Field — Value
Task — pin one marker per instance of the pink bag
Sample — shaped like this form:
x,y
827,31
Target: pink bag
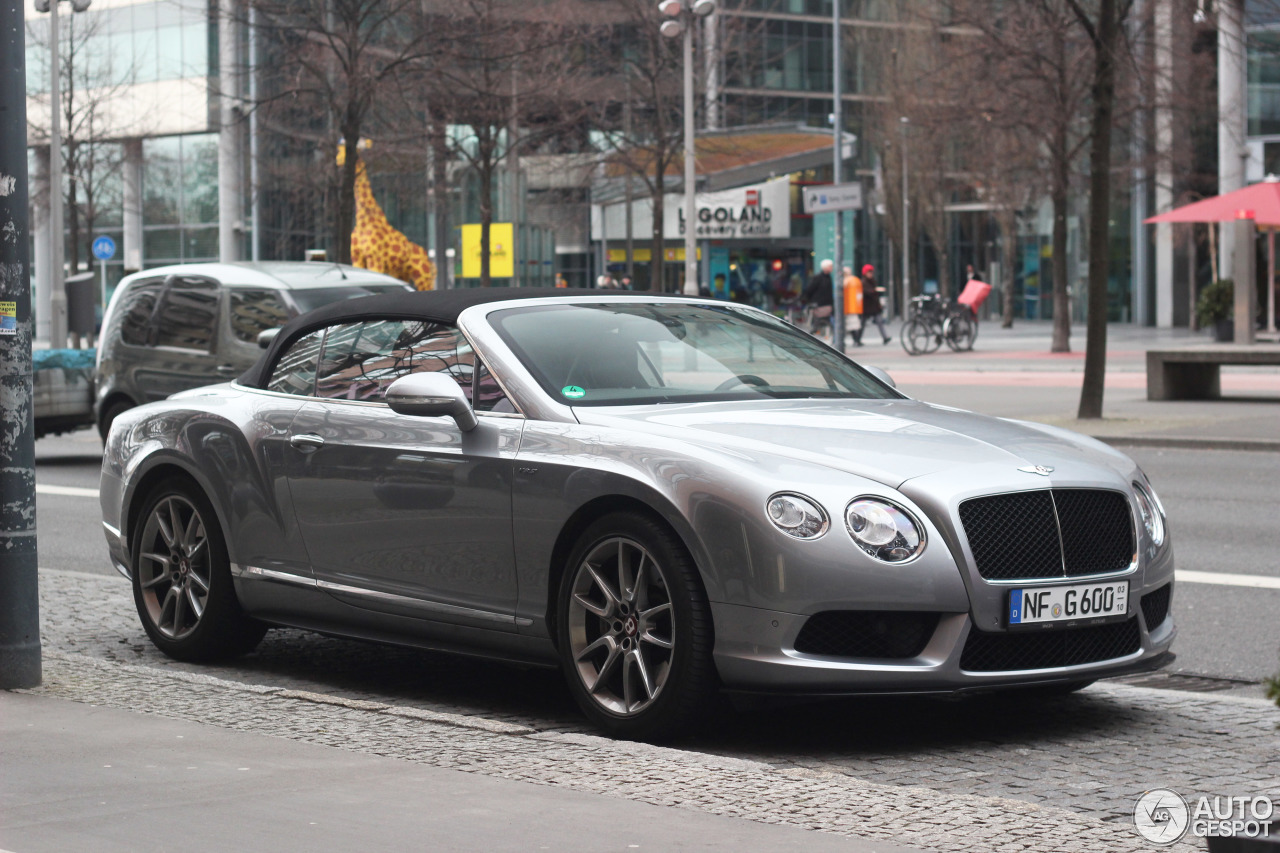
x,y
974,294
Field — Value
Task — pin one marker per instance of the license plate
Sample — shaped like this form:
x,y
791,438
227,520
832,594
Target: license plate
x,y
1082,604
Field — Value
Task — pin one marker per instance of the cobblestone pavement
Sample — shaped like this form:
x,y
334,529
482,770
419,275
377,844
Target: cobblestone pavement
x,y
990,774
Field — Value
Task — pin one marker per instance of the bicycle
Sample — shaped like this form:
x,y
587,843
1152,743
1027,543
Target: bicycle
x,y
932,321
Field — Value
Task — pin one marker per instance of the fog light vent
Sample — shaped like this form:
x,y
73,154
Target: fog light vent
x,y
888,634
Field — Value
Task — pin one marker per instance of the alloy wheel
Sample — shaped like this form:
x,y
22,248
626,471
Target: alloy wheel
x,y
174,569
621,626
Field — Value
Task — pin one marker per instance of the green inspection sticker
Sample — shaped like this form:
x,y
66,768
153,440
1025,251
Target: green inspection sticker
x,y
573,392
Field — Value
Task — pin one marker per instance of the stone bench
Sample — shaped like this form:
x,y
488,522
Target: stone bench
x,y
1195,373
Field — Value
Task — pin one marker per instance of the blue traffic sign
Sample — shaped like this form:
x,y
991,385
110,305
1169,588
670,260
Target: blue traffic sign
x,y
104,248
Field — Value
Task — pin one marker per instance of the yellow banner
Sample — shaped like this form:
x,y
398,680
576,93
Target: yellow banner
x,y
619,256
502,250
678,254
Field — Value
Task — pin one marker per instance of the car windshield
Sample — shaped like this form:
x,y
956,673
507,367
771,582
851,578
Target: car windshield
x,y
311,298
632,353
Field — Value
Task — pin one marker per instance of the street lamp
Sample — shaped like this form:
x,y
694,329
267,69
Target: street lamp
x,y
680,16
906,227
57,294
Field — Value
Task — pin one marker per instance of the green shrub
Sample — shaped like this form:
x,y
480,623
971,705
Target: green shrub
x,y
1217,302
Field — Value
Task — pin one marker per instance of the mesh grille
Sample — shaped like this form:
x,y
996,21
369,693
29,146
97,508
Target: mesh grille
x,y
1013,536
1155,606
1097,530
1016,536
866,634
985,652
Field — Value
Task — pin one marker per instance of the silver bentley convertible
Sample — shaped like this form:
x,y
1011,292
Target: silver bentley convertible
x,y
667,497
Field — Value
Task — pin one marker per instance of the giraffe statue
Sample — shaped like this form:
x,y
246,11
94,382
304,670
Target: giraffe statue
x,y
375,245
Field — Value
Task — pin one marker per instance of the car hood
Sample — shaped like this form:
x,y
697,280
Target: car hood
x,y
888,441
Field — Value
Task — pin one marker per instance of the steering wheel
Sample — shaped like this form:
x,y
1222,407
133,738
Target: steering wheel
x,y
742,379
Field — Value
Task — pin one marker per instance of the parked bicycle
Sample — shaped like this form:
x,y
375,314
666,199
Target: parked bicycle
x,y
932,321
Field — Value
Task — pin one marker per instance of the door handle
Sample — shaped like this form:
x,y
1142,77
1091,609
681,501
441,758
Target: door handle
x,y
307,442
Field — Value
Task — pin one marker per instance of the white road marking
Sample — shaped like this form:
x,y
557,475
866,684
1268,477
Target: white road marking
x,y
70,491
1227,579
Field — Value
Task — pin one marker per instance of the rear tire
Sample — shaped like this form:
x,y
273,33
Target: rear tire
x,y
635,629
960,333
182,578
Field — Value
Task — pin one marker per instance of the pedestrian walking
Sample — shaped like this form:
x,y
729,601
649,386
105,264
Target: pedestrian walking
x,y
871,307
853,306
818,295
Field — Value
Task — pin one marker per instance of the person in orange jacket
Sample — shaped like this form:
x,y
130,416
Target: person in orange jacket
x,y
853,306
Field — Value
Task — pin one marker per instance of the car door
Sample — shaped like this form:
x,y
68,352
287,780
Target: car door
x,y
182,336
408,515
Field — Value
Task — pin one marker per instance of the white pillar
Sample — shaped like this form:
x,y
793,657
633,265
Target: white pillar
x,y
132,249
1231,115
40,230
230,196
1164,161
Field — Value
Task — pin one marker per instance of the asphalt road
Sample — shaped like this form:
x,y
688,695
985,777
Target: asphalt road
x,y
1223,508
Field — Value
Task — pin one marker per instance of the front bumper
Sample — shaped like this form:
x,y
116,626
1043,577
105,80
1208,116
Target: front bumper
x,y
755,652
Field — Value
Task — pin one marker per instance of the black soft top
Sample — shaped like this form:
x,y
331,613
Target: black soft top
x,y
436,306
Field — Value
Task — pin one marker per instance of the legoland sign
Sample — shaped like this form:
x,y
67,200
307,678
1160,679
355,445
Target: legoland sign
x,y
742,213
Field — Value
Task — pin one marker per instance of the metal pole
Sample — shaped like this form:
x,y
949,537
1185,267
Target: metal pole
x,y
690,180
906,228
20,662
57,253
1271,279
837,134
255,207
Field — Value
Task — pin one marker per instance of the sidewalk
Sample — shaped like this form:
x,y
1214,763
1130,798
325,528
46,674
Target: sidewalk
x,y
1011,373
81,777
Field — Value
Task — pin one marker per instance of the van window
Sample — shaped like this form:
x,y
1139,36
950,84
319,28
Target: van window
x,y
136,309
188,314
255,311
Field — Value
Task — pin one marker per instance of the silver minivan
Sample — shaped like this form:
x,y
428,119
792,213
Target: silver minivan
x,y
172,328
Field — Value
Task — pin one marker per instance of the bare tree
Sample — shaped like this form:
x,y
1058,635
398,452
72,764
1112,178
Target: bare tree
x,y
337,63
506,82
1028,78
1104,28
92,81
651,144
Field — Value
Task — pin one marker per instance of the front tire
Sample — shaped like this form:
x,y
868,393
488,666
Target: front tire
x,y
182,579
635,629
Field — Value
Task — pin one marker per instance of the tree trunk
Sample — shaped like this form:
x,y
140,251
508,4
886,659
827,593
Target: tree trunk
x,y
346,220
73,208
440,196
1104,93
657,253
1009,257
486,209
1061,305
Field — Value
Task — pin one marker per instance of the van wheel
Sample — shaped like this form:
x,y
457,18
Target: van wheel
x,y
113,410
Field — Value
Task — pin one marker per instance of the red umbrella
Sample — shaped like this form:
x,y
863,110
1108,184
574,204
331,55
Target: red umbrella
x,y
1259,202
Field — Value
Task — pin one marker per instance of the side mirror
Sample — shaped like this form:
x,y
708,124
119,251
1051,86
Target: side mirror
x,y
266,336
880,374
431,395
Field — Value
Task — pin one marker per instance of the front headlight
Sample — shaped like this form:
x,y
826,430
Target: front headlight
x,y
1152,511
797,516
885,531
